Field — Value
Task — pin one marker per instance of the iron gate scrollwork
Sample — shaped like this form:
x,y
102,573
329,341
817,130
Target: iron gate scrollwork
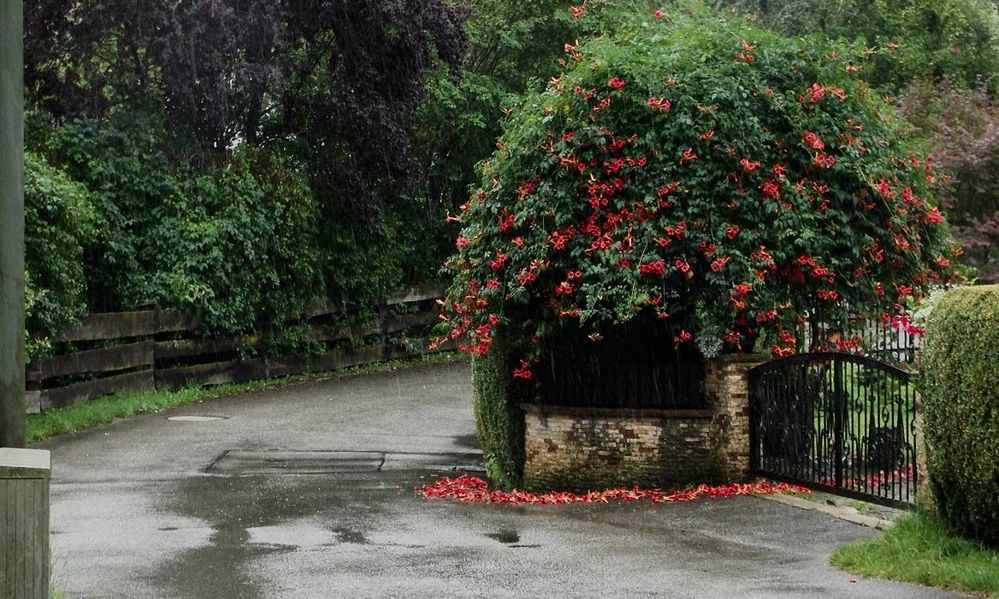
x,y
838,421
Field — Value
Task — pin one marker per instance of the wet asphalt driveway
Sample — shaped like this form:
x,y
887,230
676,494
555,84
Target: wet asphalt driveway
x,y
307,492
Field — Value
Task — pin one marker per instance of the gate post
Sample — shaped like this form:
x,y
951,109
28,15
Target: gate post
x,y
839,416
924,492
726,386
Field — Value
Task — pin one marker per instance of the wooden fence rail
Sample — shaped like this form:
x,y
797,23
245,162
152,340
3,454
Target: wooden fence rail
x,y
155,349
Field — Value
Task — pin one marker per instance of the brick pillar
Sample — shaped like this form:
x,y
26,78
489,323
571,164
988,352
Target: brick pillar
x,y
726,385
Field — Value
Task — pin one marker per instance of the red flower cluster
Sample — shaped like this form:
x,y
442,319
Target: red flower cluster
x,y
813,141
563,288
616,83
770,189
901,321
656,269
660,104
814,94
506,220
746,55
475,490
718,264
523,371
825,160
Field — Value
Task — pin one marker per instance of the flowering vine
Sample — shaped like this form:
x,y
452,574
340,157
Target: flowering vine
x,y
730,196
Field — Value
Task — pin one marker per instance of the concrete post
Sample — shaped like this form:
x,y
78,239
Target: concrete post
x,y
24,523
12,405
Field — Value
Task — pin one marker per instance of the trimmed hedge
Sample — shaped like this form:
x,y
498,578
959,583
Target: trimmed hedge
x,y
498,417
960,390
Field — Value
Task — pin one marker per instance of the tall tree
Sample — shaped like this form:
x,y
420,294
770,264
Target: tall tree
x,y
334,82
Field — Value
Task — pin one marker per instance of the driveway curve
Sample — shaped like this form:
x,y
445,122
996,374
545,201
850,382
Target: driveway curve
x,y
306,491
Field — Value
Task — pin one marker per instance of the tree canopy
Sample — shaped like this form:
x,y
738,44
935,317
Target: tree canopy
x,y
334,83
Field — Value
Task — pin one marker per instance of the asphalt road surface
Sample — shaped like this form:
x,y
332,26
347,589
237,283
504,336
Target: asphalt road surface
x,y
307,491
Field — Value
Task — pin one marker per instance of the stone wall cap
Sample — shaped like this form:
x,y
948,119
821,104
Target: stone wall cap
x,y
741,358
658,413
24,463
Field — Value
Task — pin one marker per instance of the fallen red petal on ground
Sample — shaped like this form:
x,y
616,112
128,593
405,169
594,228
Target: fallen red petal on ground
x,y
473,489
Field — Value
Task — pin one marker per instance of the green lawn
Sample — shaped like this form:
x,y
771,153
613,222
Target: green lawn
x,y
102,410
919,549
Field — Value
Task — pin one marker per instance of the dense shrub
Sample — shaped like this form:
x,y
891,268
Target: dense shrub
x,y
960,392
122,165
59,222
242,159
241,247
715,174
243,243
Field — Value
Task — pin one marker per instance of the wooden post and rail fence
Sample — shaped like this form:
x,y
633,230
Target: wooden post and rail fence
x,y
159,349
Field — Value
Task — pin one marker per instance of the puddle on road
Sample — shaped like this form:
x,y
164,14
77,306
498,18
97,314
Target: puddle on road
x,y
468,441
299,533
353,537
255,509
507,537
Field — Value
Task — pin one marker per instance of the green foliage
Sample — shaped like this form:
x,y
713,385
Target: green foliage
x,y
241,160
498,417
713,173
241,243
962,129
121,163
960,391
920,549
242,248
59,222
909,39
512,47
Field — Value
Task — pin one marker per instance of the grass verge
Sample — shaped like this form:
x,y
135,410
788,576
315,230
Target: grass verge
x,y
59,421
920,549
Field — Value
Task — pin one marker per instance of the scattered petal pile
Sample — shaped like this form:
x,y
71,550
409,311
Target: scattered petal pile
x,y
880,478
473,489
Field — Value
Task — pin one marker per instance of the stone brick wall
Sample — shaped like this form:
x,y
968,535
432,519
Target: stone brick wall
x,y
581,448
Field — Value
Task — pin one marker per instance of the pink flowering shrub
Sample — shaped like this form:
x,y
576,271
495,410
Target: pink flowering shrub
x,y
704,172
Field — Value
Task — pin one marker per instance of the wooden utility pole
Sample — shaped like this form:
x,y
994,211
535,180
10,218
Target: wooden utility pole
x,y
11,224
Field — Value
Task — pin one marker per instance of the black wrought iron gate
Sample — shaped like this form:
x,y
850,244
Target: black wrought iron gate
x,y
840,422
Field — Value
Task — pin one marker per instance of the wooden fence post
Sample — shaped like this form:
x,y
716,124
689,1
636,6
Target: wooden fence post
x,y
383,324
141,352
